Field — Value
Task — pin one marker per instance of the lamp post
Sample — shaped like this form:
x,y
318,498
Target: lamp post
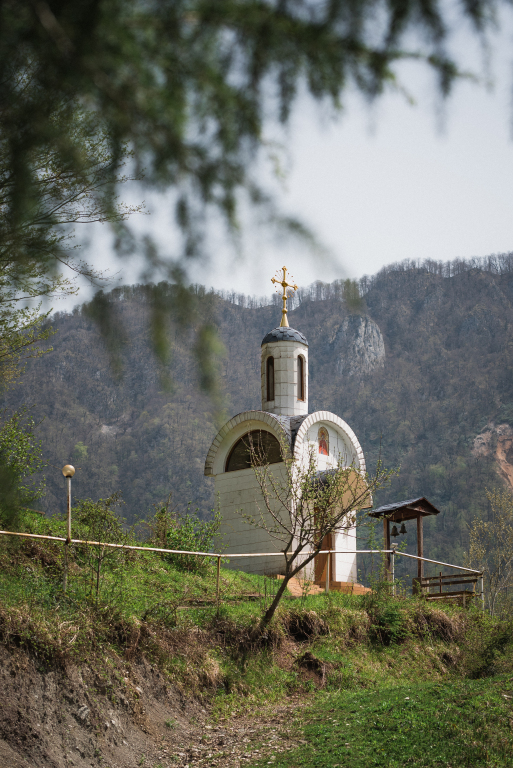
x,y
68,471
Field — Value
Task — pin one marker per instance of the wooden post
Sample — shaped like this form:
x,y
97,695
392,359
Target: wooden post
x,y
328,561
392,556
386,536
68,537
65,568
420,547
218,577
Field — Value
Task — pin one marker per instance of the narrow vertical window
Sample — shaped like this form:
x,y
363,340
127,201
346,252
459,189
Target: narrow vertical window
x,y
301,378
270,378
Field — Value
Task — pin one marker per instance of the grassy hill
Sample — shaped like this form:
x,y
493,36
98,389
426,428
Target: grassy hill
x,y
153,671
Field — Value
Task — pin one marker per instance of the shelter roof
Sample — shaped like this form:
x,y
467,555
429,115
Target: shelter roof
x,y
406,510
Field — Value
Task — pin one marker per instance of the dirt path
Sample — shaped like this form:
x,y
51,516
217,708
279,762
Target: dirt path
x,y
73,718
243,740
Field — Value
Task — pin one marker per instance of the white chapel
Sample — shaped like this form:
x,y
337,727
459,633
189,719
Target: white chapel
x,y
283,417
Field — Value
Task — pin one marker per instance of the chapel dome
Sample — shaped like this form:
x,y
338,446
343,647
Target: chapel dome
x,y
284,333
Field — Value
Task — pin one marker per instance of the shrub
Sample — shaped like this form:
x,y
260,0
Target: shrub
x,y
20,460
97,521
388,625
388,622
172,529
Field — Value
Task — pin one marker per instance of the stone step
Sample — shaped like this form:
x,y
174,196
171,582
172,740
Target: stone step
x,y
300,587
346,587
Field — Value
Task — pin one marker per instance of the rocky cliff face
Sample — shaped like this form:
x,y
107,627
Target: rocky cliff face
x,y
497,441
358,346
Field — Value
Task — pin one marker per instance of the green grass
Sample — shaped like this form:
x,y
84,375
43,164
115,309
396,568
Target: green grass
x,y
146,605
451,724
394,688
140,584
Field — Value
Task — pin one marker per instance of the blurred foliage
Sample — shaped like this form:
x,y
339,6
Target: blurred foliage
x,y
182,90
36,239
57,191
187,83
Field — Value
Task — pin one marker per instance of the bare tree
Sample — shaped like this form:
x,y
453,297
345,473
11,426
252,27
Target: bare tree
x,y
300,506
491,547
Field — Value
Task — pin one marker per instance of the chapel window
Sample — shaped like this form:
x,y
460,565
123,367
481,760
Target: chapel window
x,y
301,387
254,449
324,441
270,378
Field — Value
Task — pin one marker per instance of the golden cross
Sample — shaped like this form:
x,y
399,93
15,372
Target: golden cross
x,y
283,282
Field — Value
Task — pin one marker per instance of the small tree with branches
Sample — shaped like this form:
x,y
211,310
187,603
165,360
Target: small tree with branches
x,y
299,506
491,547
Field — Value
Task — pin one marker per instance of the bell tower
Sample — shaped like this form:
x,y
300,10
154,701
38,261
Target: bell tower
x,y
283,428
284,367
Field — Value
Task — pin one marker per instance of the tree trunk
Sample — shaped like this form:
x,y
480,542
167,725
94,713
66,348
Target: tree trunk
x,y
268,615
292,571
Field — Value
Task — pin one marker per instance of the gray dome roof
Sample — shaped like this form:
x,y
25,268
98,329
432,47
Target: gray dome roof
x,y
284,334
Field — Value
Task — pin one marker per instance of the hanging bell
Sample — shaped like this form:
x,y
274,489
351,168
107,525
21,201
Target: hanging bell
x,y
402,529
394,531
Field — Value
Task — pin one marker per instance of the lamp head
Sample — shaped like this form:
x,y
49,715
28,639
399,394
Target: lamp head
x,y
68,470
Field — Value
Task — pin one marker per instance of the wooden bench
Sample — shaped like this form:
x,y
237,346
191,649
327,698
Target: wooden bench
x,y
432,587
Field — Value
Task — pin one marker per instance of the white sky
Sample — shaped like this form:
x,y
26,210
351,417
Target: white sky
x,y
376,185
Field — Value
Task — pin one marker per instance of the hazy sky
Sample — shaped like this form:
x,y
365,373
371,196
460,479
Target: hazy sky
x,y
378,184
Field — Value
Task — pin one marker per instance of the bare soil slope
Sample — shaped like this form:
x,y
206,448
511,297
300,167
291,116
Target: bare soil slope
x,y
72,717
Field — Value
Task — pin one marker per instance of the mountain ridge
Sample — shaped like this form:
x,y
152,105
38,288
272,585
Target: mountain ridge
x,y
418,369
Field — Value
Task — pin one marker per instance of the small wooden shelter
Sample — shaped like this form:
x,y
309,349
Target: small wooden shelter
x,y
401,511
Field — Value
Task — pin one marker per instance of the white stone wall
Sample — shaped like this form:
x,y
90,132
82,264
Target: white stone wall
x,y
344,448
237,492
285,401
345,564
343,441
340,447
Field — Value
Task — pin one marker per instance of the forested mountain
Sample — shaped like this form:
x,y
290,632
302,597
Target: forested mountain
x,y
421,366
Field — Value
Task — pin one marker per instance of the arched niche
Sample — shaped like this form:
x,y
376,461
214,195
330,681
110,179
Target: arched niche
x,y
255,448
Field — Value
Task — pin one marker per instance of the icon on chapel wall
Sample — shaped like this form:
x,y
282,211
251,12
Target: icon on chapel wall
x,y
324,441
